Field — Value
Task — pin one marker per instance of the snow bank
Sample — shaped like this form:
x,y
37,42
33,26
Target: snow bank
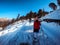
x,y
52,30
54,15
11,28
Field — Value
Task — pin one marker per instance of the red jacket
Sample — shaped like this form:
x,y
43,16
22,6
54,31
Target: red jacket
x,y
37,24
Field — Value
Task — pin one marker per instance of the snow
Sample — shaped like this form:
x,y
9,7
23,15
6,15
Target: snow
x,y
54,15
22,32
11,28
0,28
52,30
29,31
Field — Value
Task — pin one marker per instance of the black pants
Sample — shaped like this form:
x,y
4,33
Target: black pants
x,y
36,30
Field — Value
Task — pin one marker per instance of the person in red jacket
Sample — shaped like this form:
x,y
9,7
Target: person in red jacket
x,y
37,24
36,29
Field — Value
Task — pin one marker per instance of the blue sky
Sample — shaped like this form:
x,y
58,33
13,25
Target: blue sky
x,y
11,8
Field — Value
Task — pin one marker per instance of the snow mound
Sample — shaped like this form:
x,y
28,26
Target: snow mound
x,y
54,15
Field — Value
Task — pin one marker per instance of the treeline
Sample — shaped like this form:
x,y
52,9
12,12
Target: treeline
x,y
40,13
29,15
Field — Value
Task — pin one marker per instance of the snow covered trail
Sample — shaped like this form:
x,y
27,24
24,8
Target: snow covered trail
x,y
18,34
22,32
4,40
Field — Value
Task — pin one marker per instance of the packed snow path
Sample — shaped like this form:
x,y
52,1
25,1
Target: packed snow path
x,y
22,32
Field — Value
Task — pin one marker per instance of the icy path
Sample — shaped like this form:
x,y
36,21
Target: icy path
x,y
11,35
21,32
